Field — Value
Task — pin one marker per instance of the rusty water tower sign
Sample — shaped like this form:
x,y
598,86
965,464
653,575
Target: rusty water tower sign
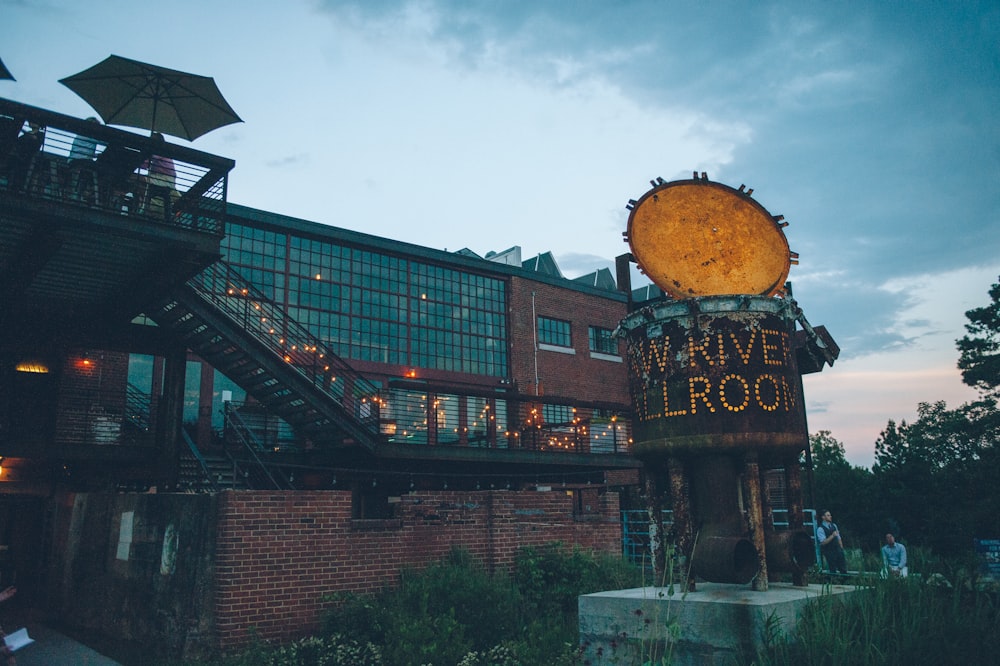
x,y
718,372
714,374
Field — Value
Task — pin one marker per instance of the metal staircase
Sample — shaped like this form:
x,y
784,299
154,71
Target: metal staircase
x,y
228,322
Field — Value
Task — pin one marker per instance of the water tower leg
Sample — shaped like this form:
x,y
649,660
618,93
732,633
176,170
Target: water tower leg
x,y
654,508
793,482
681,503
755,516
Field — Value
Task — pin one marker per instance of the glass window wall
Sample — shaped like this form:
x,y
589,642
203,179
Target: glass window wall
x,y
376,307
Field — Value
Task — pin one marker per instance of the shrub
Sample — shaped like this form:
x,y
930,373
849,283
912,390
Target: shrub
x,y
332,650
550,579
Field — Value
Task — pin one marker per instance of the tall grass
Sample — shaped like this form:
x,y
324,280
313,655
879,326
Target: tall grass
x,y
899,621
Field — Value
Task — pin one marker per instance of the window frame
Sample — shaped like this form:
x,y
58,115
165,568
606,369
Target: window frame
x,y
552,335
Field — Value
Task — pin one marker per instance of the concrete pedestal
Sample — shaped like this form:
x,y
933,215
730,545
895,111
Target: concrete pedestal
x,y
717,624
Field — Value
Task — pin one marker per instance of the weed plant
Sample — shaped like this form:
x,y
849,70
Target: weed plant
x,y
916,620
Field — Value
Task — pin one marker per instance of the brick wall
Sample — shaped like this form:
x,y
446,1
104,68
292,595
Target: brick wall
x,y
279,553
92,397
561,374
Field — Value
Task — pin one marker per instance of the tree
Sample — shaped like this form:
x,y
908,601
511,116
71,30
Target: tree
x,y
845,490
828,452
979,358
935,475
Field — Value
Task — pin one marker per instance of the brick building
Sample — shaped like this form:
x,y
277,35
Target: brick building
x,y
187,440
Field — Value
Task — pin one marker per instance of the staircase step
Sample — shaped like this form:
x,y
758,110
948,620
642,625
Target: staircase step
x,y
198,315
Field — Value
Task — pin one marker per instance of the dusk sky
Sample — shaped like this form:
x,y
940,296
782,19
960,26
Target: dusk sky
x,y
871,126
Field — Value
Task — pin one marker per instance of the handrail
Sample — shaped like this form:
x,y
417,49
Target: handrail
x,y
224,287
137,406
86,164
213,485
235,425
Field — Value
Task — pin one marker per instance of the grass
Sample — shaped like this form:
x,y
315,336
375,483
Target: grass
x,y
901,621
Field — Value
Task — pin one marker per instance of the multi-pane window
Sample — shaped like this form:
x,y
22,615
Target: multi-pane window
x,y
608,432
458,321
554,332
260,256
602,341
373,306
558,414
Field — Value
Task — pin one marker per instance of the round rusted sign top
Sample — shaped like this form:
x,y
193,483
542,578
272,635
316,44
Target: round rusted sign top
x,y
700,238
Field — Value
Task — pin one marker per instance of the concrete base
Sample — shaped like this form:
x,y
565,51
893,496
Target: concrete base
x,y
717,624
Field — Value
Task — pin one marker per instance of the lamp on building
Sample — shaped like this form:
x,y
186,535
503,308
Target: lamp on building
x,y
33,366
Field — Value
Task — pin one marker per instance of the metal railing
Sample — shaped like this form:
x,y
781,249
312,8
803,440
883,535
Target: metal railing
x,y
247,463
269,324
414,414
635,530
206,473
137,408
51,156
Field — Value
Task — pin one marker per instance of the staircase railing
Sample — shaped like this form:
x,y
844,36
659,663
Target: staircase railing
x,y
252,467
202,463
137,406
222,286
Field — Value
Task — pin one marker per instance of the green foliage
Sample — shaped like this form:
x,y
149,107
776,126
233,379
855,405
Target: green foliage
x,y
550,579
933,480
454,612
828,452
979,350
939,619
849,492
935,475
899,621
332,650
436,615
499,655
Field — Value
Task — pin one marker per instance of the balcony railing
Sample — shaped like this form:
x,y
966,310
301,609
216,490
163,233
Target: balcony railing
x,y
59,158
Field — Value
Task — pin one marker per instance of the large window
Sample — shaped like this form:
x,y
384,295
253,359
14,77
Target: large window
x,y
602,341
373,306
554,332
425,417
558,414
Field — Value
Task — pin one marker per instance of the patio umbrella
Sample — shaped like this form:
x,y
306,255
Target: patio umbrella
x,y
135,94
5,73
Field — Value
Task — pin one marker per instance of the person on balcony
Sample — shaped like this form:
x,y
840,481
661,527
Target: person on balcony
x,y
22,157
84,147
161,179
82,174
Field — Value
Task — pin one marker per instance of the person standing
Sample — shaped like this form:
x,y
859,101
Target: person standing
x,y
831,544
84,147
893,558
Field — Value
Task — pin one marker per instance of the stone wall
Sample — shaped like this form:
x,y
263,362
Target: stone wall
x,y
136,567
